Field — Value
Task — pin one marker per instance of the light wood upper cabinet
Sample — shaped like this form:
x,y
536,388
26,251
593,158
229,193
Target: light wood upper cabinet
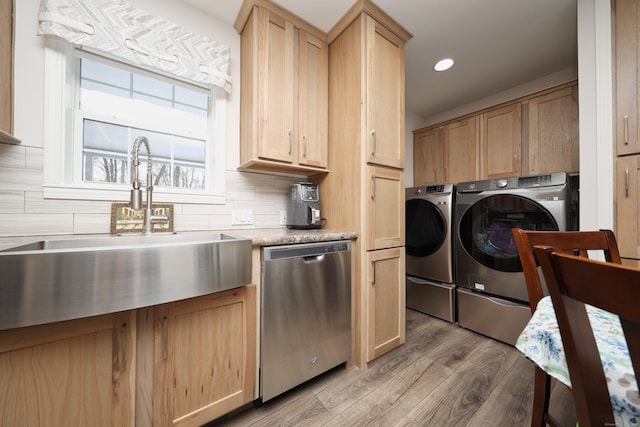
x,y
554,144
79,371
204,357
385,208
460,142
6,70
387,301
427,157
313,106
627,75
284,95
385,95
500,142
276,107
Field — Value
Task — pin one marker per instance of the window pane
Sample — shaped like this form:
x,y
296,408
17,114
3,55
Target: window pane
x,y
192,98
174,119
105,73
195,111
188,177
104,168
149,86
91,86
153,100
106,137
190,150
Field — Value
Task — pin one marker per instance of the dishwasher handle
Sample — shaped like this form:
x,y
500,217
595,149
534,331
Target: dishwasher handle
x,y
313,258
306,251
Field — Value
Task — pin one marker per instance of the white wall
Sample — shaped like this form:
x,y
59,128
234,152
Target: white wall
x,y
596,115
23,210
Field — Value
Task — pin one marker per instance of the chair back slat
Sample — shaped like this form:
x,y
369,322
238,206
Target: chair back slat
x,y
567,241
572,282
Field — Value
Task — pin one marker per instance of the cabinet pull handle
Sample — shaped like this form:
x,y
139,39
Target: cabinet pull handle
x,y
290,141
373,143
626,130
165,337
304,145
373,278
373,187
124,346
626,183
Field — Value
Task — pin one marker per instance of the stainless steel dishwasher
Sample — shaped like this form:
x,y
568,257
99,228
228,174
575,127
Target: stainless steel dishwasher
x,y
306,313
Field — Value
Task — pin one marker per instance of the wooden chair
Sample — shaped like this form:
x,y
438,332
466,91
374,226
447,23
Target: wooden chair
x,y
573,282
569,241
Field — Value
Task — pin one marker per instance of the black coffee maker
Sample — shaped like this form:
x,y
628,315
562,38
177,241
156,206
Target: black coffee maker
x,y
303,211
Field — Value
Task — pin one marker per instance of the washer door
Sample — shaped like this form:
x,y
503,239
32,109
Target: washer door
x,y
485,229
425,228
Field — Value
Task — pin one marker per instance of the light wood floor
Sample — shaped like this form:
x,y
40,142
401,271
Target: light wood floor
x,y
444,375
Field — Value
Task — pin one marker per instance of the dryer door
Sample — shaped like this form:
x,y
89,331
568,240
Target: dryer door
x,y
428,241
425,228
485,229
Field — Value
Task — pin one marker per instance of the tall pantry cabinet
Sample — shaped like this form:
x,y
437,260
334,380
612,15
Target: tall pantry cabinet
x,y
627,128
364,191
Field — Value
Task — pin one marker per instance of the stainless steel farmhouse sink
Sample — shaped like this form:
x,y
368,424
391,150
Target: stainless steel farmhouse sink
x,y
60,279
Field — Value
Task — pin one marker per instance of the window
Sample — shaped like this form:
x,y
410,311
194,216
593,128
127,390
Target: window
x,y
105,106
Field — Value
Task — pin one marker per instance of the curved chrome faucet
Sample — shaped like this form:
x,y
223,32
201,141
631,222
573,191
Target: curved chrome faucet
x,y
136,193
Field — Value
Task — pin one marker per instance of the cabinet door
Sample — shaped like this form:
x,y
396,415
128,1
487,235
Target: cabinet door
x,y
500,142
385,208
205,355
79,371
427,157
627,209
276,81
313,78
385,96
460,142
553,132
386,301
627,35
6,65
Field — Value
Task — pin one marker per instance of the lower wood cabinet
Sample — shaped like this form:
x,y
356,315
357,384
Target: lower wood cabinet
x,y
386,299
79,372
204,352
182,363
627,196
385,208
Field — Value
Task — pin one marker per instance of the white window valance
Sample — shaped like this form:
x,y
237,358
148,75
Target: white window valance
x,y
120,29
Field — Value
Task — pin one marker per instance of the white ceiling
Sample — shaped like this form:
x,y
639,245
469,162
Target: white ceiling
x,y
497,44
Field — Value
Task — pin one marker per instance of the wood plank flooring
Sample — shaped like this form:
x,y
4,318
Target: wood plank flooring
x,y
444,375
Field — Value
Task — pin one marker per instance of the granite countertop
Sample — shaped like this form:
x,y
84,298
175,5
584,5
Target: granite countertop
x,y
284,236
258,236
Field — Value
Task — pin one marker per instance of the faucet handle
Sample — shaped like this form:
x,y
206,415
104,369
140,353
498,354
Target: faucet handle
x,y
136,198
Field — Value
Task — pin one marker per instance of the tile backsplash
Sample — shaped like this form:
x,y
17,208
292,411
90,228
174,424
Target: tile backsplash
x,y
24,211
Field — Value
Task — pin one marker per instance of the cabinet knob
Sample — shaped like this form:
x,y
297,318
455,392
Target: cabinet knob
x,y
626,183
626,130
373,142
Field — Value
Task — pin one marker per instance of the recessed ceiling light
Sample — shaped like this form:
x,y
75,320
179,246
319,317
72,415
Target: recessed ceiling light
x,y
443,64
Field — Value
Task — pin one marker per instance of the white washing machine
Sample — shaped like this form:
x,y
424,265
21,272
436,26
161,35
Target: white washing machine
x,y
429,251
492,295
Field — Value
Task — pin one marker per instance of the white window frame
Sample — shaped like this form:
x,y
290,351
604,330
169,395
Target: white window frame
x,y
62,177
